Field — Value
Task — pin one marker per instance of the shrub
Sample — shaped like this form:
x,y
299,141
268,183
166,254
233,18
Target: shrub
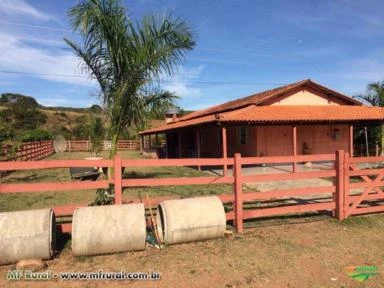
x,y
36,135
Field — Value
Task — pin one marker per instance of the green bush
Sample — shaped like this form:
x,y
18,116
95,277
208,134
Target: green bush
x,y
36,135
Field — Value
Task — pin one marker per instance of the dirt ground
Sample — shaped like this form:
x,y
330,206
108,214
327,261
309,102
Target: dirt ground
x,y
308,251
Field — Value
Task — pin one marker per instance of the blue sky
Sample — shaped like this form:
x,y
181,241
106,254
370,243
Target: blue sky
x,y
242,47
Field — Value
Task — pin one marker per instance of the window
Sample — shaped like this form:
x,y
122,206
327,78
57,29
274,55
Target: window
x,y
242,135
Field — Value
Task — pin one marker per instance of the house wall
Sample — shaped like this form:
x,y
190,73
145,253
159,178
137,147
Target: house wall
x,y
274,140
307,97
271,140
320,138
234,145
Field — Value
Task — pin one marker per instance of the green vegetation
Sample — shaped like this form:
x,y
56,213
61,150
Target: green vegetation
x,y
36,135
127,57
374,96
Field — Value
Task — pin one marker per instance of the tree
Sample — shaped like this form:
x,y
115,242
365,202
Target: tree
x,y
375,97
127,58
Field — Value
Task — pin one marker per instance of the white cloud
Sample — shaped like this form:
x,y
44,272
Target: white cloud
x,y
20,7
181,84
60,100
18,56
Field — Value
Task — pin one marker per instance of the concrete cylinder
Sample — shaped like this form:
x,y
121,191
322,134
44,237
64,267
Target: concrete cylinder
x,y
108,229
187,220
27,235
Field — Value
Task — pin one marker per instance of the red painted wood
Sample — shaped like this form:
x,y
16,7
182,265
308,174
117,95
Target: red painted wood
x,y
369,196
366,172
339,195
367,210
117,178
294,147
52,186
351,140
289,176
177,162
291,209
46,164
150,182
226,198
230,215
346,184
224,149
366,191
238,191
65,227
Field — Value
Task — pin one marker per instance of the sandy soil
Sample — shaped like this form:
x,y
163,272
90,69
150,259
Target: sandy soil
x,y
296,252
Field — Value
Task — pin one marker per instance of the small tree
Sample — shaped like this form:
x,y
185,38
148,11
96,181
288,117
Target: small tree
x,y
375,97
127,57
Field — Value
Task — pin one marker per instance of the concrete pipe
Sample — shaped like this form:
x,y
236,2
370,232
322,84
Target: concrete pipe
x,y
27,235
108,229
187,220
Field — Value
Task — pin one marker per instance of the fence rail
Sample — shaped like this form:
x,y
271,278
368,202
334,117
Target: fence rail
x,y
338,199
85,145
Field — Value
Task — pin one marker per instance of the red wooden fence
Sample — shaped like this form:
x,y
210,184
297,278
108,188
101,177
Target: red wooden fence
x,y
85,145
28,151
336,198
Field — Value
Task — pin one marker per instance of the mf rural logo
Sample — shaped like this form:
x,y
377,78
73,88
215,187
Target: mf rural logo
x,y
362,273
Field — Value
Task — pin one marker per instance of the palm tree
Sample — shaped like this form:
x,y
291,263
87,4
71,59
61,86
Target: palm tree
x,y
375,97
128,58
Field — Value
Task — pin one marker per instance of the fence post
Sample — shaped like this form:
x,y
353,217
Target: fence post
x,y
339,195
117,178
238,193
346,185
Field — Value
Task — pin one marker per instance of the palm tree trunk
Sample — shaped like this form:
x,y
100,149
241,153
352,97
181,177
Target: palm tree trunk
x,y
113,152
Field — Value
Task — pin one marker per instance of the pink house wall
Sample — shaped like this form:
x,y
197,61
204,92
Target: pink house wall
x,y
272,140
321,140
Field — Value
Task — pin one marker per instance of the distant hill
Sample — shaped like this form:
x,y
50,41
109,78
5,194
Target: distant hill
x,y
22,115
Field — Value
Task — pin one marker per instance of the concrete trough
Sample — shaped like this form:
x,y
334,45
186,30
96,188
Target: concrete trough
x,y
194,219
27,235
108,229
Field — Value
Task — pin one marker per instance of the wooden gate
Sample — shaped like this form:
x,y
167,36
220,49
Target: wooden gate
x,y
364,185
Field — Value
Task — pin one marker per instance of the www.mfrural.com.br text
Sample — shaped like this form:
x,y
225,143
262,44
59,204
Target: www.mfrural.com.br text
x,y
28,275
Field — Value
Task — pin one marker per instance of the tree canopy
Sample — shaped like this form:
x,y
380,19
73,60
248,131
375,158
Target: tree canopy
x,y
127,58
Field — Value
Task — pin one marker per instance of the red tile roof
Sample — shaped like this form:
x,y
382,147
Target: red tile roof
x,y
262,97
250,109
285,114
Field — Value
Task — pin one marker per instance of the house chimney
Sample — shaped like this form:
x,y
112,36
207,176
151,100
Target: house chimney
x,y
171,114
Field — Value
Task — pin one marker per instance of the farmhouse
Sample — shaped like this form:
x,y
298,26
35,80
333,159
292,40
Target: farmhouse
x,y
299,118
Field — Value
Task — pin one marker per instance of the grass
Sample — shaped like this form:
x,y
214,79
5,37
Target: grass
x,y
20,201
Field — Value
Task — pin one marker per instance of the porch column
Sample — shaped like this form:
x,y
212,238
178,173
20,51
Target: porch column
x,y
150,141
294,147
166,145
197,145
351,140
141,143
157,140
224,148
179,143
